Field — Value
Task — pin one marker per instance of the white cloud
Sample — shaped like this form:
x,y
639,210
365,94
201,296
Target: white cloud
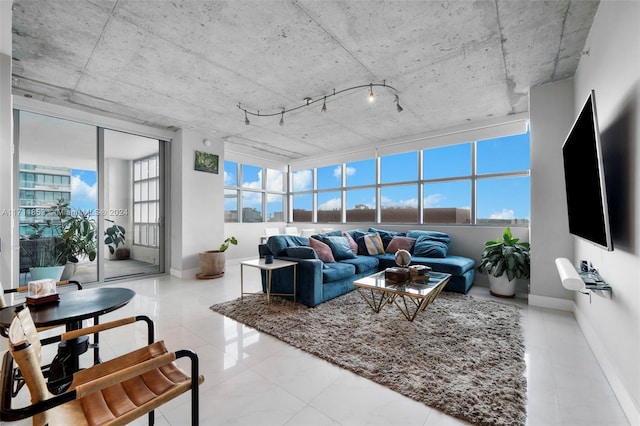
x,y
337,172
275,181
433,200
351,171
332,204
388,202
504,214
83,192
302,180
228,179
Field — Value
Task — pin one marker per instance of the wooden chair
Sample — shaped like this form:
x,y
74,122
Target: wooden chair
x,y
114,392
17,376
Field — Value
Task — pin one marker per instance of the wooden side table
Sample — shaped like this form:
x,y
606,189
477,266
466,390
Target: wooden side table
x,y
269,268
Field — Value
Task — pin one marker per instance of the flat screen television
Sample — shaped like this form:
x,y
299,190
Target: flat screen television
x,y
584,179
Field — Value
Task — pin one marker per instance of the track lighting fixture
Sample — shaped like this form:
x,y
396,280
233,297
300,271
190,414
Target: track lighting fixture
x,y
398,107
309,100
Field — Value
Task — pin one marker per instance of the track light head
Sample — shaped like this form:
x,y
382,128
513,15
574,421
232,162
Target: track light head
x,y
282,118
372,97
324,105
398,107
246,119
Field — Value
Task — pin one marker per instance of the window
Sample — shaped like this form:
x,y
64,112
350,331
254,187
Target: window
x,y
146,202
481,182
260,196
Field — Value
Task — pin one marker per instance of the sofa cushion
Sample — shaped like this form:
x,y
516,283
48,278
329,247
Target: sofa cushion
x,y
454,265
323,251
363,263
278,243
337,271
302,252
400,243
339,247
370,244
387,236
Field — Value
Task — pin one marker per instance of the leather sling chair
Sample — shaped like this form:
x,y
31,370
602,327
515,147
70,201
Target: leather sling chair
x,y
114,392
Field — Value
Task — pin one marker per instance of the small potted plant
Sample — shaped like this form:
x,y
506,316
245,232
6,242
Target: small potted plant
x,y
505,260
113,237
212,261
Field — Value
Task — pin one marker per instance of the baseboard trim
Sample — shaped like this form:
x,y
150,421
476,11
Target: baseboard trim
x,y
599,351
551,303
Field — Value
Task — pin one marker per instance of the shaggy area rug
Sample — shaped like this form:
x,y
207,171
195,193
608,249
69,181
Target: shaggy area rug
x,y
462,355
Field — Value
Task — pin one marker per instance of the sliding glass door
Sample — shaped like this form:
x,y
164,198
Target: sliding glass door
x,y
133,204
112,180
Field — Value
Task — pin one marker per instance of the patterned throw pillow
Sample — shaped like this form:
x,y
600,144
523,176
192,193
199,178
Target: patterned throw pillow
x,y
322,250
371,244
400,243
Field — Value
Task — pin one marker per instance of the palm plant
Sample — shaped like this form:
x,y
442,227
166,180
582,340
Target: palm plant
x,y
506,255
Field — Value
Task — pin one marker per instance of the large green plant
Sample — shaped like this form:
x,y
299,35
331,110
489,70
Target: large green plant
x,y
77,233
506,255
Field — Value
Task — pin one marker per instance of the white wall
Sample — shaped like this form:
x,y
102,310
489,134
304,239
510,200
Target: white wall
x,y
612,69
197,202
551,112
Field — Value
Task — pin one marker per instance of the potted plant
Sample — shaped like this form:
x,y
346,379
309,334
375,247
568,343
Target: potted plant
x,y
45,258
212,261
113,237
505,260
77,236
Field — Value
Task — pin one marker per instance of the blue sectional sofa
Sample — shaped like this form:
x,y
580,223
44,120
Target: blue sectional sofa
x,y
328,263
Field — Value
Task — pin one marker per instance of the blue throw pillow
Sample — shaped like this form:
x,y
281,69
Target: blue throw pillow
x,y
339,247
301,252
426,247
432,235
278,243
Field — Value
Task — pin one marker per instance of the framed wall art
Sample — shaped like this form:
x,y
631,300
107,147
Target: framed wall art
x,y
206,162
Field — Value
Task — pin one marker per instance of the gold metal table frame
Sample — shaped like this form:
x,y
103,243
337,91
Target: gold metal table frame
x,y
410,298
269,268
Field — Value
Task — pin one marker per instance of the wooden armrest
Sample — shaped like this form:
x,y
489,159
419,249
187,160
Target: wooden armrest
x,y
124,374
25,288
74,334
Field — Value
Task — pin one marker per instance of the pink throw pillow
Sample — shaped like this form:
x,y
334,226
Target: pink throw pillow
x,y
398,243
352,242
322,250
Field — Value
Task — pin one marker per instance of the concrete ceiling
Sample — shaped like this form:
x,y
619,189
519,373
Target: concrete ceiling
x,y
189,64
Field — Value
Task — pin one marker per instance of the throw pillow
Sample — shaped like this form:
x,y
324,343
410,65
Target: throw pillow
x,y
387,236
322,250
371,244
352,242
426,247
339,247
432,235
400,243
301,252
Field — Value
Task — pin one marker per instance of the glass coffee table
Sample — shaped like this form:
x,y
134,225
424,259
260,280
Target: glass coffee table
x,y
410,297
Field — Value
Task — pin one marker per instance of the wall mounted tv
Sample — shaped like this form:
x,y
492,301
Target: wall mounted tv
x,y
584,179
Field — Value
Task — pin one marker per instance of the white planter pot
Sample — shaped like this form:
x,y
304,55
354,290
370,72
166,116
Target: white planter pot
x,y
40,273
501,286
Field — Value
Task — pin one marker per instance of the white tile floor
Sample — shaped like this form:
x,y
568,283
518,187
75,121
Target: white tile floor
x,y
254,379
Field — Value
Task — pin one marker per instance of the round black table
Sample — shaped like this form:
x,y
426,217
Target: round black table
x,y
70,310
73,307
